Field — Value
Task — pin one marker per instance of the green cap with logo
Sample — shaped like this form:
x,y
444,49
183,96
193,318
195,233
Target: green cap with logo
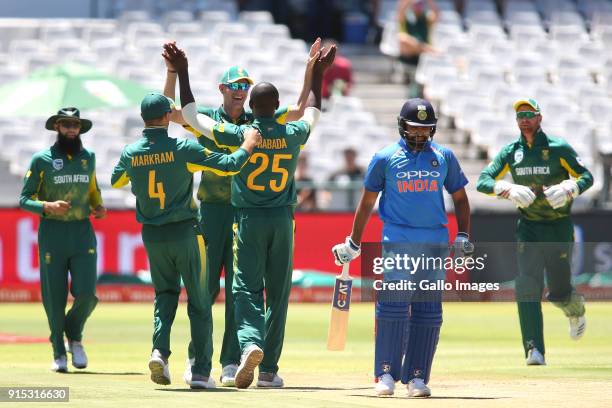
x,y
233,74
155,105
527,101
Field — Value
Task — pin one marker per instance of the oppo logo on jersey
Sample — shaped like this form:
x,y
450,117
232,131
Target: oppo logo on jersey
x,y
417,174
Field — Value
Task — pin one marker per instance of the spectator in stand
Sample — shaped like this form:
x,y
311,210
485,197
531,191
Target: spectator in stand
x,y
306,196
351,170
339,77
349,173
415,18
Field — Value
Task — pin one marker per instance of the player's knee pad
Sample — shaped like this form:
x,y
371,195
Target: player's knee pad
x,y
572,305
392,310
427,314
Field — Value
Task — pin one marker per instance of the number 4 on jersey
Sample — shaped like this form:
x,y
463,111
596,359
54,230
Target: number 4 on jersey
x,y
156,190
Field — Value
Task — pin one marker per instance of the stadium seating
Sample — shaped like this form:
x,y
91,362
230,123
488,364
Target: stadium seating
x,y
214,35
554,50
535,48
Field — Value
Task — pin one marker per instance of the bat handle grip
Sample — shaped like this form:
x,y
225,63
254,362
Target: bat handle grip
x,y
345,270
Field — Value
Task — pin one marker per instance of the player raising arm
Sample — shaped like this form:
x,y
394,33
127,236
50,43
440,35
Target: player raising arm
x,y
264,198
214,193
160,169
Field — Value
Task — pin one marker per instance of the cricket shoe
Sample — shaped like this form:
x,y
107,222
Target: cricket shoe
x,y
534,357
385,385
418,388
60,365
250,359
79,358
187,372
228,375
160,374
269,380
201,382
577,327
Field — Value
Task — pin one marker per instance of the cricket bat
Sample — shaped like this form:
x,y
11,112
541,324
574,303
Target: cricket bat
x,y
341,301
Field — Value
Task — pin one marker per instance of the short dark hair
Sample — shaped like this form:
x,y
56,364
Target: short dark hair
x,y
264,97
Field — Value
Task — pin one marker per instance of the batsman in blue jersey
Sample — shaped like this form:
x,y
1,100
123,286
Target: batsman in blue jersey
x,y
410,175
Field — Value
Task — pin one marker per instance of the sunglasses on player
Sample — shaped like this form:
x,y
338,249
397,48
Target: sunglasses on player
x,y
526,115
238,86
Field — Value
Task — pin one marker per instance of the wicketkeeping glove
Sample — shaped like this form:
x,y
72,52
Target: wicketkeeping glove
x,y
521,196
346,252
562,193
462,245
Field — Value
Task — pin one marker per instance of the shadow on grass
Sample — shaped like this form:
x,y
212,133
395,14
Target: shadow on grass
x,y
197,390
428,398
318,388
104,373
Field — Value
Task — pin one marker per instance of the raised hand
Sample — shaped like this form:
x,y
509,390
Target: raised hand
x,y
314,54
175,56
325,60
169,66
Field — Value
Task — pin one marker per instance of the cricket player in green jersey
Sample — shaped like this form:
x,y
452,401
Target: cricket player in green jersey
x,y
264,198
214,192
61,187
160,170
547,175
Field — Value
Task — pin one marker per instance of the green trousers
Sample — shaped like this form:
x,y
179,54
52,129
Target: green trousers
x,y
542,247
67,246
263,261
217,220
176,251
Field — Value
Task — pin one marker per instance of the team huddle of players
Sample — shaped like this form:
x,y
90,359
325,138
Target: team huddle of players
x,y
245,225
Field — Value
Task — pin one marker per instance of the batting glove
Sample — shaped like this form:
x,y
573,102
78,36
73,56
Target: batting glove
x,y
521,196
462,245
560,194
346,252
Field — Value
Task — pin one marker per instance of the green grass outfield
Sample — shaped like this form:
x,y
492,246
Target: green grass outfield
x,y
479,361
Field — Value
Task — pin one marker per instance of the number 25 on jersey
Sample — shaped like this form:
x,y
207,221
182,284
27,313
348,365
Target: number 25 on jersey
x,y
264,160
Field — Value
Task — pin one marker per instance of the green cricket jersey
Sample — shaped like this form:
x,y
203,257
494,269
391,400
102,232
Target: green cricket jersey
x,y
214,188
549,161
54,175
160,169
268,177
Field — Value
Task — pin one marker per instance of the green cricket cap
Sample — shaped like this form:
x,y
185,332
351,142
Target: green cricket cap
x,y
155,105
235,73
529,101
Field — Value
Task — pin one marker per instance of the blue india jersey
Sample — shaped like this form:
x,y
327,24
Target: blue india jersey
x,y
411,183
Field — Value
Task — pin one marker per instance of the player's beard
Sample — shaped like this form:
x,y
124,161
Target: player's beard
x,y
69,145
415,144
